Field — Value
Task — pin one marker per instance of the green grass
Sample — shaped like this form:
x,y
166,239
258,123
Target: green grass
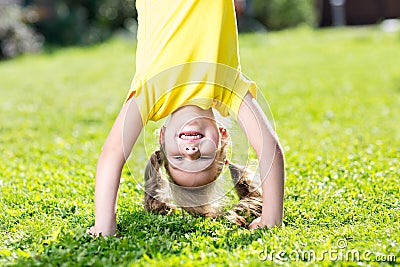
x,y
335,96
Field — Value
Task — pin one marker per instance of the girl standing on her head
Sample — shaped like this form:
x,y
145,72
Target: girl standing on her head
x,y
187,64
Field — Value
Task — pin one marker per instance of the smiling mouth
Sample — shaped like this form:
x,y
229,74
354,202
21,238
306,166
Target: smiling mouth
x,y
191,135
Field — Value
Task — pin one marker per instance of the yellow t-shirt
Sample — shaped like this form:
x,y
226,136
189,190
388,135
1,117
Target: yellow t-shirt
x,y
187,54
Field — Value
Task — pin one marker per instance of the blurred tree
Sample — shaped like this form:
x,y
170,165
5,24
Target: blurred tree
x,y
280,14
68,22
16,35
245,17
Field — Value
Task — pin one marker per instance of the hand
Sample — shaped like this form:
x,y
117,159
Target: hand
x,y
257,223
92,231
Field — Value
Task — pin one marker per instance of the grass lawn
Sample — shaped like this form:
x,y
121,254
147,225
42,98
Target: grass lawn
x,y
335,97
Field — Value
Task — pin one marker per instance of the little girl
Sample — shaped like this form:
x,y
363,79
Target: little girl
x,y
187,65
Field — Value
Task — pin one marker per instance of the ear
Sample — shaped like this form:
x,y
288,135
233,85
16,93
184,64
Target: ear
x,y
224,133
161,135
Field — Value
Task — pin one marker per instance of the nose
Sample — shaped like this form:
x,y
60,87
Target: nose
x,y
192,152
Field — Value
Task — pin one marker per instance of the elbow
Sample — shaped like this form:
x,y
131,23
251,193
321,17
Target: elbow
x,y
279,151
272,153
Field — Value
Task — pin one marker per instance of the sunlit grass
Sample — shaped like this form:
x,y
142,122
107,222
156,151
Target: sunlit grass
x,y
335,97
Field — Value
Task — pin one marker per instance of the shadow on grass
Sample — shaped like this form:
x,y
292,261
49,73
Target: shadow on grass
x,y
143,235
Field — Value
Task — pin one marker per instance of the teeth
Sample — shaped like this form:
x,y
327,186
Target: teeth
x,y
191,136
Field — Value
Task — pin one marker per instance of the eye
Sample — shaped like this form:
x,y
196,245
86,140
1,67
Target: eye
x,y
178,157
205,157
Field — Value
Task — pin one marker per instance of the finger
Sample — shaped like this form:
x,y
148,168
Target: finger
x,y
254,225
91,231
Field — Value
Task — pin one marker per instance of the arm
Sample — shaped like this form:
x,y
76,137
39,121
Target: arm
x,y
116,150
270,157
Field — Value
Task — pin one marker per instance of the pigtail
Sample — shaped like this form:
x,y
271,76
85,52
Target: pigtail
x,y
249,206
243,185
156,196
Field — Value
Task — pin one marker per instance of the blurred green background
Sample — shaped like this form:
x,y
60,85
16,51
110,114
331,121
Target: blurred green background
x,y
30,25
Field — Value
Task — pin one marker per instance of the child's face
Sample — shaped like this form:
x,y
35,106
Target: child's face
x,y
191,140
